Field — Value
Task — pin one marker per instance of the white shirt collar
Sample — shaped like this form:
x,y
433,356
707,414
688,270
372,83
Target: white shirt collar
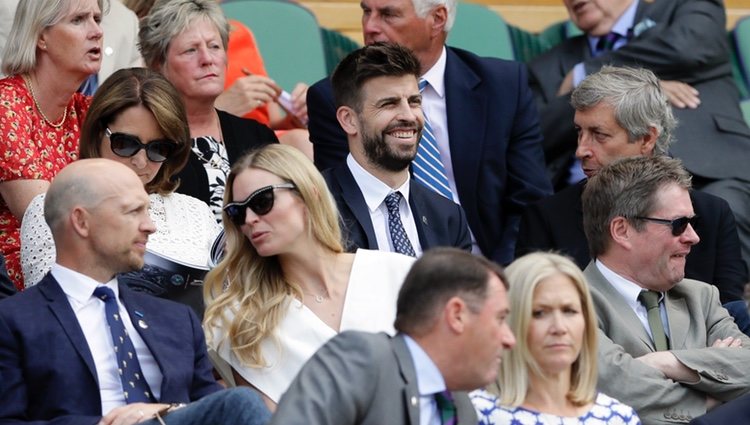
x,y
628,289
79,286
435,76
373,190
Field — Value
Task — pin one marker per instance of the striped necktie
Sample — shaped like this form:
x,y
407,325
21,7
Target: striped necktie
x,y
134,385
427,167
607,42
446,408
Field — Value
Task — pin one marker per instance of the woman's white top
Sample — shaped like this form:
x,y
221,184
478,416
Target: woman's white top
x,y
369,305
185,230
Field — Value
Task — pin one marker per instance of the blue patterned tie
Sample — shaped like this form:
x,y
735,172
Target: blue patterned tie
x,y
134,385
398,234
427,167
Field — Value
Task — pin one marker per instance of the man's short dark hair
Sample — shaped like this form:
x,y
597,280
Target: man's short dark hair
x,y
440,274
361,65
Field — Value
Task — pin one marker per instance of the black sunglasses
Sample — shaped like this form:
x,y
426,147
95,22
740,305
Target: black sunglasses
x,y
260,202
678,225
127,145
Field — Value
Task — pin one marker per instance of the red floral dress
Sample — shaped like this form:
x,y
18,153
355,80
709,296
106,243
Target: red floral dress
x,y
31,149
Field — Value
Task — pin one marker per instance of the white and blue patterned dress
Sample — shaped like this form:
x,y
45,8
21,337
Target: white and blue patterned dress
x,y
605,410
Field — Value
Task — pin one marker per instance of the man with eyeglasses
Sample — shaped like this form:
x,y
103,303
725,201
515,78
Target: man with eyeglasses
x,y
622,112
666,345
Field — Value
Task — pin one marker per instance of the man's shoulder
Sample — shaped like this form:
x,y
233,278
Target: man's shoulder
x,y
564,199
492,68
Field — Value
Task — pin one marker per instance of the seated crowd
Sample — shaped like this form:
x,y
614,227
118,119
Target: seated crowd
x,y
180,248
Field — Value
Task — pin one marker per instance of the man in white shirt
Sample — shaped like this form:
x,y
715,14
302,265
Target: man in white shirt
x,y
78,348
382,207
666,345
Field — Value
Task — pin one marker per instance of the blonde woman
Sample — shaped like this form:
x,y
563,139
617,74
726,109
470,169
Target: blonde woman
x,y
549,377
285,285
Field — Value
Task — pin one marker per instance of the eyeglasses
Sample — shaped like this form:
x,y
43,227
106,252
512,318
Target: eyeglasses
x,y
678,225
260,202
127,145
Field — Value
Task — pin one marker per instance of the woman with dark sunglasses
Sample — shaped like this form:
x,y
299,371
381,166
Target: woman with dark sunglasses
x,y
136,118
285,285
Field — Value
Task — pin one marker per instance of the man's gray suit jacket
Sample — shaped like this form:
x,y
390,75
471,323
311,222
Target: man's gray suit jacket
x,y
696,319
359,378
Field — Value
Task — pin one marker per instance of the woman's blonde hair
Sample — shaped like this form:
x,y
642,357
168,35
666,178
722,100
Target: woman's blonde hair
x,y
31,19
252,287
524,275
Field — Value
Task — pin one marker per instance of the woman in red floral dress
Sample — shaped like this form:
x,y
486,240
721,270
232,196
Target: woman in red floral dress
x,y
52,48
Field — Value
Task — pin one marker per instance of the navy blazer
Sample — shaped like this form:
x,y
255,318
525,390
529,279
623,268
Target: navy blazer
x,y
47,373
682,40
495,144
556,223
439,221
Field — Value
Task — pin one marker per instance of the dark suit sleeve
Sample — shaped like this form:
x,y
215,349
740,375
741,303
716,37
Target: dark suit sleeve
x,y
334,386
330,145
692,41
527,180
533,232
463,237
6,286
730,274
14,390
203,378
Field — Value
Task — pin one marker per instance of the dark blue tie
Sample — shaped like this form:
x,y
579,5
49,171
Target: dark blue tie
x,y
607,43
399,238
134,385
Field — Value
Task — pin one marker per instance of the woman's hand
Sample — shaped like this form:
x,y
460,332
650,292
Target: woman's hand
x,y
248,93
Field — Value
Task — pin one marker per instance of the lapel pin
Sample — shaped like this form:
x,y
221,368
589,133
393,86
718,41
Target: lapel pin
x,y
142,324
424,220
413,401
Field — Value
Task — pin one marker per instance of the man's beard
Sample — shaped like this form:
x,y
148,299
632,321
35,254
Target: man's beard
x,y
384,156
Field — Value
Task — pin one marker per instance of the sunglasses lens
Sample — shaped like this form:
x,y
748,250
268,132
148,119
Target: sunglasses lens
x,y
236,213
680,225
123,144
159,151
262,202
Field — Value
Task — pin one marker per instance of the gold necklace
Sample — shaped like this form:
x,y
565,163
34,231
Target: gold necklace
x,y
27,80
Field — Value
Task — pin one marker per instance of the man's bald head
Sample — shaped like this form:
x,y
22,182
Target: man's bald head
x,y
85,183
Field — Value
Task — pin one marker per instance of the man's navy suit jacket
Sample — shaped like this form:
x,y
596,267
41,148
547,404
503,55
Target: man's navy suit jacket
x,y
495,144
47,372
439,221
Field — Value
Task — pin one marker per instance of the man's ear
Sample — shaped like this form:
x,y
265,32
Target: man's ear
x,y
455,314
79,221
348,120
648,142
620,230
439,17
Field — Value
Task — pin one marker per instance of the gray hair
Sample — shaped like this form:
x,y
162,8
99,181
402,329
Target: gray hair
x,y
168,18
637,98
626,188
423,7
31,19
